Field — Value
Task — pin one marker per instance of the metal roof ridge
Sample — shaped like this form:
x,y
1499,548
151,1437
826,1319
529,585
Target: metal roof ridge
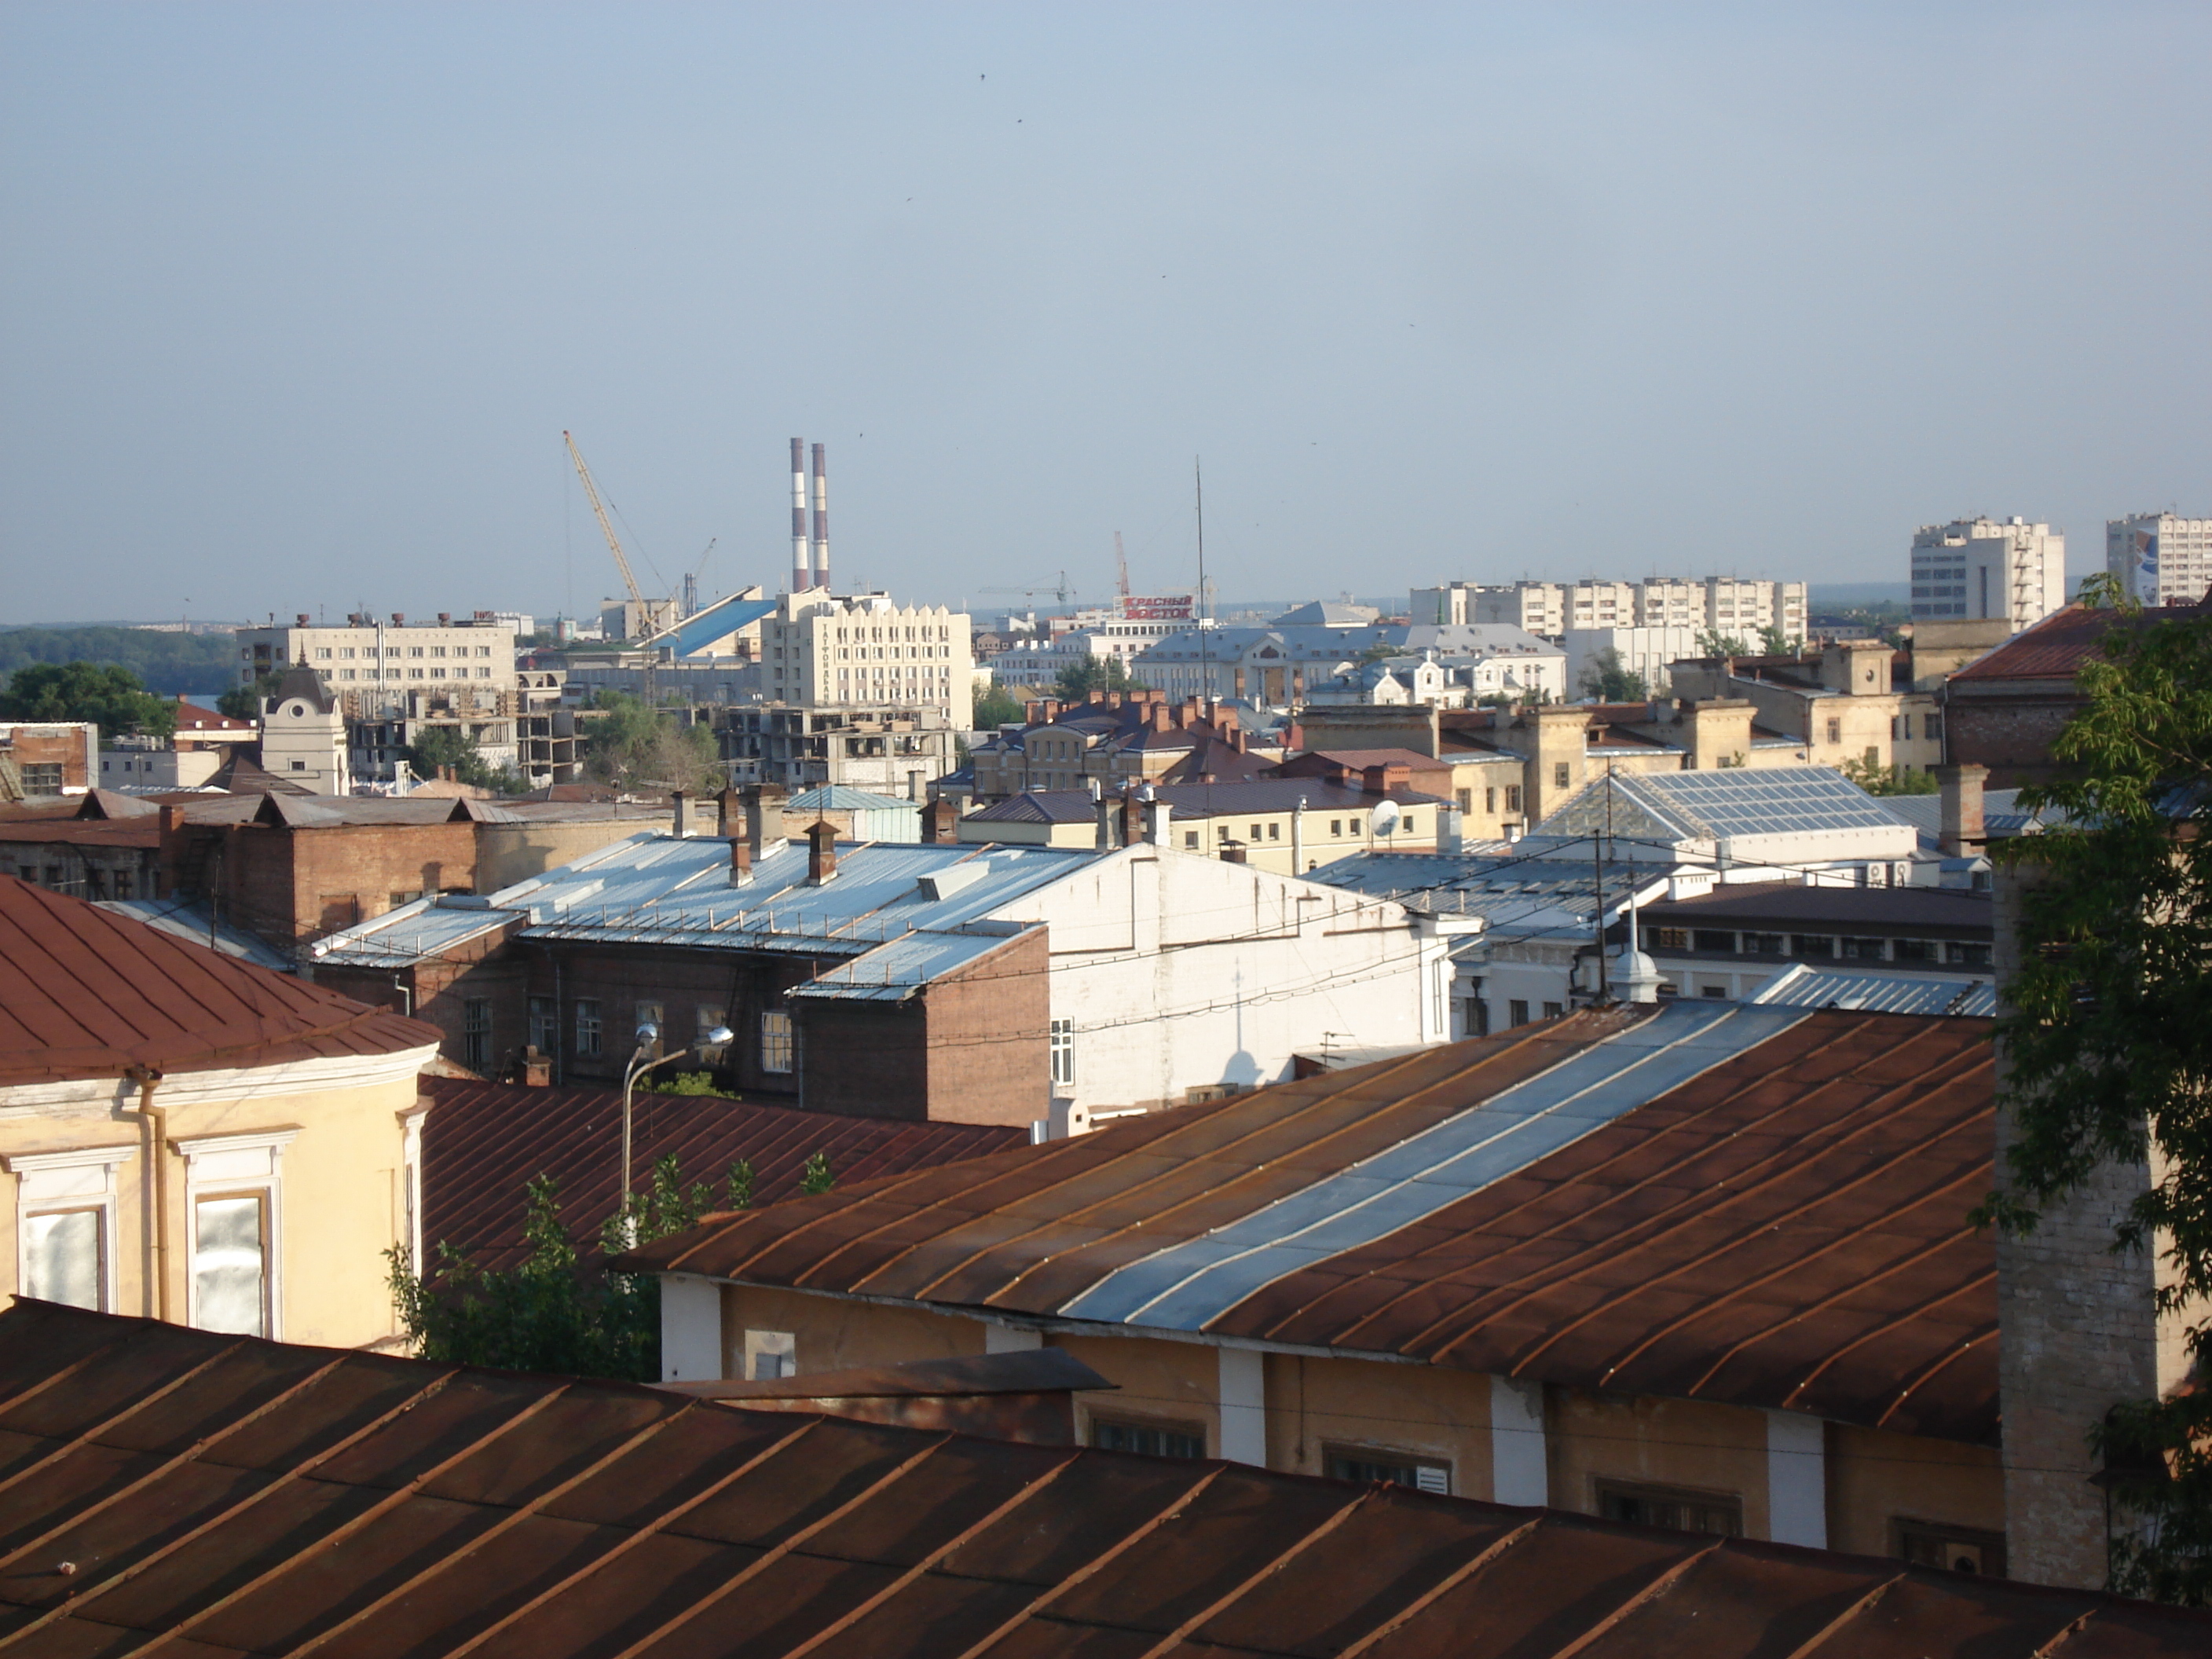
x,y
1701,1020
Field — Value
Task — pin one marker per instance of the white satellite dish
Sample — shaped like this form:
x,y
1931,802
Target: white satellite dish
x,y
1386,817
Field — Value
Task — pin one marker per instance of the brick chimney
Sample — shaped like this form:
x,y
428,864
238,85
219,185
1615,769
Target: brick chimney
x,y
1160,717
821,853
173,849
1133,818
729,813
940,823
741,861
1964,834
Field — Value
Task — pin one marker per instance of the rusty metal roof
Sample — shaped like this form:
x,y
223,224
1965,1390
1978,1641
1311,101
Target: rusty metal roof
x,y
86,994
483,1143
1759,1206
219,1495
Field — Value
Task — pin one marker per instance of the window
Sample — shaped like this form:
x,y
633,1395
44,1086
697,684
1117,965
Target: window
x,y
1762,944
1812,944
1256,832
476,1034
230,1263
1685,1511
1274,832
1516,1013
1466,800
1835,730
1717,992
1148,1439
1714,939
776,1045
1553,1010
649,1013
1863,950
1914,950
1961,954
771,1355
1558,774
64,1255
544,1034
1931,725
704,1020
1336,826
1670,939
1190,838
589,1028
1063,1051
1953,1549
1512,799
1394,1468
42,779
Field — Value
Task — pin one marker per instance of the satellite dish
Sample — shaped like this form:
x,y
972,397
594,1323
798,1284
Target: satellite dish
x,y
1386,817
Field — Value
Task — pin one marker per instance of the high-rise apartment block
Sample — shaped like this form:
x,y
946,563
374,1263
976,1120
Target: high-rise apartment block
x,y
2004,570
1723,604
2160,558
826,649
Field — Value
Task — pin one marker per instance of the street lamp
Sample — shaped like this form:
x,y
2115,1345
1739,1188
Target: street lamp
x,y
647,1035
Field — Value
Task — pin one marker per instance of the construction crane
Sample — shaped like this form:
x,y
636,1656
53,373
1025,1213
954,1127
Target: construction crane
x,y
1060,589
1122,567
607,528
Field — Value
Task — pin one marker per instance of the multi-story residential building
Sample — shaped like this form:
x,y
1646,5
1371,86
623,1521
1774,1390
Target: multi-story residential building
x,y
823,650
2005,570
2161,558
371,666
899,751
1725,604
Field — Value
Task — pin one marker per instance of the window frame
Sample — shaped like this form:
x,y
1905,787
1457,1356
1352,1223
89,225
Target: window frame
x,y
1379,1459
1059,1048
1611,1494
778,1036
475,1033
72,1182
1115,1424
234,1166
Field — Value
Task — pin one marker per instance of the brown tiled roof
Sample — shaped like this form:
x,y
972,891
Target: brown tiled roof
x,y
216,1495
2056,647
483,1142
88,993
1786,1228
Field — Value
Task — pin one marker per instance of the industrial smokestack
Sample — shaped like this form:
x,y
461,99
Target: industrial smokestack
x,y
821,520
802,576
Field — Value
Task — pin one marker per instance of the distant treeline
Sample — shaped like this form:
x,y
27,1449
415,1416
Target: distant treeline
x,y
172,664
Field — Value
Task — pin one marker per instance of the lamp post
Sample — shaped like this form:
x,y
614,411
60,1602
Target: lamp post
x,y
647,1035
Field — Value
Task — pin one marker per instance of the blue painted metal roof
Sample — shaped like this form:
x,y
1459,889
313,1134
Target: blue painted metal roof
x,y
1803,987
843,798
1187,1285
718,621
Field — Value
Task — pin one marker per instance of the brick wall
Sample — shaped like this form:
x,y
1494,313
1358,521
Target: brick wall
x,y
987,1058
2078,1334
2008,729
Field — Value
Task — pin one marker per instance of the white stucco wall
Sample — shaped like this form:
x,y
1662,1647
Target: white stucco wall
x,y
1181,971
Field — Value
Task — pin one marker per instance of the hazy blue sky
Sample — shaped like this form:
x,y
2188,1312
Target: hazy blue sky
x,y
298,298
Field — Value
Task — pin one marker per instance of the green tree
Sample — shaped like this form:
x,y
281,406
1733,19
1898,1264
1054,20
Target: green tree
x,y
816,1176
87,691
995,708
168,663
243,702
1078,679
2107,1026
631,746
688,1082
1774,643
1604,679
1713,643
436,747
1889,780
547,1314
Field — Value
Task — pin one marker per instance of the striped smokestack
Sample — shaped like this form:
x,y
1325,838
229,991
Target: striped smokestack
x,y
821,520
801,562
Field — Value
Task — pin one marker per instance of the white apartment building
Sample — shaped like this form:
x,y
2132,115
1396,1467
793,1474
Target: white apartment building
x,y
371,666
1643,650
2007,570
825,649
1725,604
2161,558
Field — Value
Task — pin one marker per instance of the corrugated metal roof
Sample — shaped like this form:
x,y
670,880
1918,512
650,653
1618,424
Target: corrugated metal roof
x,y
1722,805
191,923
220,1495
1776,1219
898,968
88,993
2001,814
483,1142
843,798
1805,986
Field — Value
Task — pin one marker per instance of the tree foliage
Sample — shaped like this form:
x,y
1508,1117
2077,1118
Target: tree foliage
x,y
1078,679
548,1314
243,702
2108,1029
436,747
1711,642
995,708
169,663
87,691
1889,780
631,746
1606,679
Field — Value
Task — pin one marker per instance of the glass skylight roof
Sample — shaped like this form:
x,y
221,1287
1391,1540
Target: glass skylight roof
x,y
1784,801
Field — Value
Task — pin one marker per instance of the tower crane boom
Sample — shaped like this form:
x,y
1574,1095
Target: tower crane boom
x,y
606,527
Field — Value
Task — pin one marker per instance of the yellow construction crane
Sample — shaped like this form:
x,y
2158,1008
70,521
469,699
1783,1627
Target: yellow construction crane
x,y
607,528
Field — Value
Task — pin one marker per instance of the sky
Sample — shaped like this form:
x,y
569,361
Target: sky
x,y
296,301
